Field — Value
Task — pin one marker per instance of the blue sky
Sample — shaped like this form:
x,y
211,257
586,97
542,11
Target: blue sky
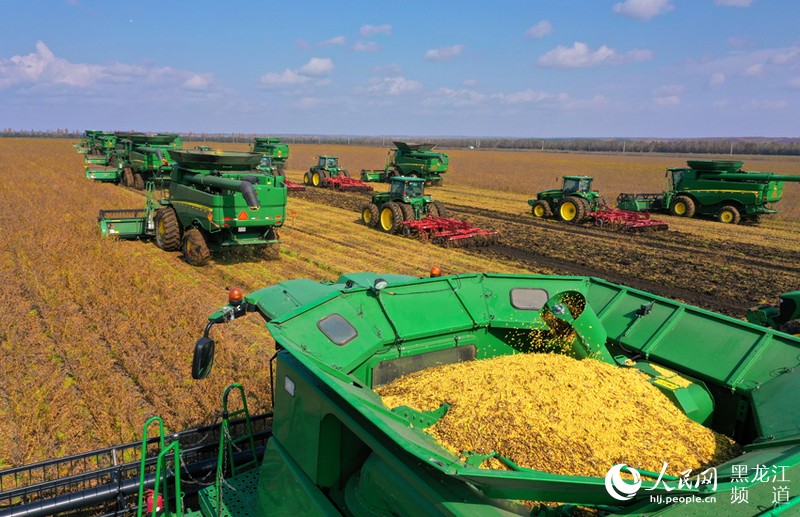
x,y
546,68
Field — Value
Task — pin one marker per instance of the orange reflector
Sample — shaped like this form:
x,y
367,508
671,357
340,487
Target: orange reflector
x,y
436,271
235,296
243,216
210,216
278,216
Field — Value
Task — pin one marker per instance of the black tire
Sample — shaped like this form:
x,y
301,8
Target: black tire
x,y
168,230
437,209
138,181
195,249
791,327
281,168
729,215
408,212
127,177
572,209
682,206
391,217
307,179
370,214
541,209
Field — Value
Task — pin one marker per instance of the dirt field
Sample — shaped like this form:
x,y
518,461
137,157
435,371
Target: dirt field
x,y
97,334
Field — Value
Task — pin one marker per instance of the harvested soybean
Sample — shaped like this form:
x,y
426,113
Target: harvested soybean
x,y
556,414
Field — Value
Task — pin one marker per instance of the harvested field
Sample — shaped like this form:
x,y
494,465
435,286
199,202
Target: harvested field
x,y
96,335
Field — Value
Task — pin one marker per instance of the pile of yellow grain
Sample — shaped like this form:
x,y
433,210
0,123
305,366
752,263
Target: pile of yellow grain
x,y
557,414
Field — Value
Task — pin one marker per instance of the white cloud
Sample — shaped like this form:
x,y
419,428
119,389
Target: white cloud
x,y
716,80
784,56
338,40
470,83
734,3
643,9
462,97
397,85
755,70
368,31
315,68
44,68
580,56
528,95
794,82
540,30
444,53
366,46
668,96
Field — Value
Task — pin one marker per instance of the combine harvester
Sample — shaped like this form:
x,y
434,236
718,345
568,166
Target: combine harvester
x,y
217,200
335,448
275,149
100,164
327,174
414,160
714,188
407,210
576,203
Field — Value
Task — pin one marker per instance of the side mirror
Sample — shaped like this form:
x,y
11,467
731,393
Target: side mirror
x,y
203,358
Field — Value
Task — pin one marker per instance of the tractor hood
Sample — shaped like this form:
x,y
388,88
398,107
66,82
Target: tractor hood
x,y
362,331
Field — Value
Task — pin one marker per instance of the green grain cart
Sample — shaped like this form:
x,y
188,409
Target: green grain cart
x,y
715,188
571,203
273,147
216,200
414,160
333,447
142,158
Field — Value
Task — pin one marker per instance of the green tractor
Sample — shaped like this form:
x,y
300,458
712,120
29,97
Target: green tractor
x,y
572,203
275,149
217,200
785,317
326,167
405,201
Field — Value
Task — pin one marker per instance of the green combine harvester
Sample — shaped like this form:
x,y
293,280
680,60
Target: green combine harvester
x,y
275,149
216,200
100,162
715,188
414,160
334,448
143,158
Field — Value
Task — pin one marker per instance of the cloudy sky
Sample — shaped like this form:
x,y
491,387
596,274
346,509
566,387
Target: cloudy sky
x,y
534,68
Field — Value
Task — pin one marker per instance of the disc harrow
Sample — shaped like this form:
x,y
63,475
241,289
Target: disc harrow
x,y
626,220
291,186
346,184
449,232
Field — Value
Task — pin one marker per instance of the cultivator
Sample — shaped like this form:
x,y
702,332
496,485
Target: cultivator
x,y
291,186
449,232
346,184
626,220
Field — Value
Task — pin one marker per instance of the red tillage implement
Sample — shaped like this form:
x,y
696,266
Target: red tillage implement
x,y
626,220
449,232
291,186
345,184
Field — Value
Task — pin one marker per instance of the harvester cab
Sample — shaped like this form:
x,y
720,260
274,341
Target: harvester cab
x,y
785,317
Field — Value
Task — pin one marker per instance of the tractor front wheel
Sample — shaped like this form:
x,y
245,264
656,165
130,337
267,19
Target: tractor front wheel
x,y
168,230
729,215
682,206
195,249
391,217
572,210
138,181
541,209
437,209
307,179
369,215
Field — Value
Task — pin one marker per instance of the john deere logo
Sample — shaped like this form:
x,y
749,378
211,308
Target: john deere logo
x,y
621,489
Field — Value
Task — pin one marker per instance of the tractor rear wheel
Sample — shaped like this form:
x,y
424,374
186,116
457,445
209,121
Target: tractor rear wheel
x,y
138,181
408,212
682,206
437,209
541,209
729,215
127,177
168,230
369,215
572,209
391,217
195,249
